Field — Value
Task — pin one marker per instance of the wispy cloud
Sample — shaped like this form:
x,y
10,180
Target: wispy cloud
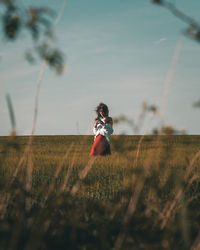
x,y
161,40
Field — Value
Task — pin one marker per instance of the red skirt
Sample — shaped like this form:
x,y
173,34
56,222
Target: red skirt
x,y
100,146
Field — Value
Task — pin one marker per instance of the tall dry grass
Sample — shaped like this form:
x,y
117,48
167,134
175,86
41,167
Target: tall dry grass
x,y
101,202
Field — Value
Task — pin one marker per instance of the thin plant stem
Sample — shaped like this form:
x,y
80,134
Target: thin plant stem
x,y
69,170
169,79
170,207
83,173
58,170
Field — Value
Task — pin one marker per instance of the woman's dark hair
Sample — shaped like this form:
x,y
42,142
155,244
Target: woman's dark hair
x,y
101,107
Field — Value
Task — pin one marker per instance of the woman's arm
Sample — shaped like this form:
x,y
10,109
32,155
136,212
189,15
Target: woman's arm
x,y
95,127
105,129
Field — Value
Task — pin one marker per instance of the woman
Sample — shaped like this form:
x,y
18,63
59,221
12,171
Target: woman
x,y
102,130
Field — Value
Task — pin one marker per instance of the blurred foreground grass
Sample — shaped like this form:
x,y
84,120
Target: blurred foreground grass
x,y
144,196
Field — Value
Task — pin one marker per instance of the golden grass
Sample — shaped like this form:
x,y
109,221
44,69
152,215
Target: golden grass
x,y
161,188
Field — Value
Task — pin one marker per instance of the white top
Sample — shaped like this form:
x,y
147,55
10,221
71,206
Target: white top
x,y
104,129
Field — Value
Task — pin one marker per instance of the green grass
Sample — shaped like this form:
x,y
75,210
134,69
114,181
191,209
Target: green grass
x,y
159,177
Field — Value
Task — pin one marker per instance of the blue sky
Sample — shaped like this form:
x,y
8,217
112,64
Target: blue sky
x,y
118,52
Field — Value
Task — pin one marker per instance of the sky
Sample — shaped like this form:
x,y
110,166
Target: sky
x,y
120,52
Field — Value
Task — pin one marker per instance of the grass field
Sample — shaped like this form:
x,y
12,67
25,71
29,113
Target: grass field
x,y
144,196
